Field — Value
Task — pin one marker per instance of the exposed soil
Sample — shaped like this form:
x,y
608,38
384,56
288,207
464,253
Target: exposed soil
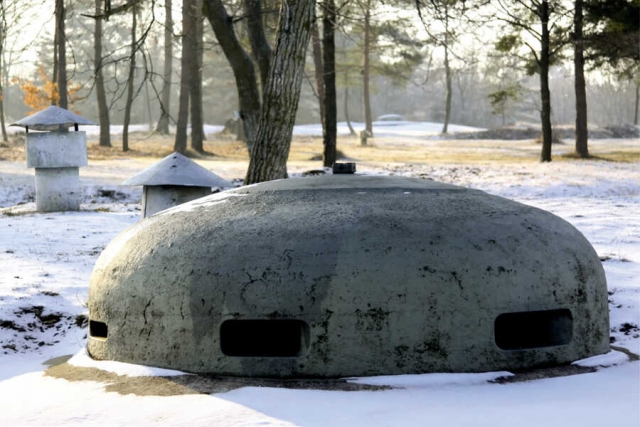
x,y
31,323
551,372
210,384
193,384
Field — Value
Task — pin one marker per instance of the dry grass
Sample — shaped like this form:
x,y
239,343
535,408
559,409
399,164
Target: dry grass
x,y
159,146
608,156
305,151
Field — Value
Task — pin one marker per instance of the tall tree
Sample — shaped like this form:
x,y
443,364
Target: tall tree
x,y
241,64
636,112
330,131
186,65
540,19
447,70
282,92
582,133
130,81
61,54
195,76
544,63
316,44
382,37
3,35
447,15
612,39
366,67
260,47
165,94
103,109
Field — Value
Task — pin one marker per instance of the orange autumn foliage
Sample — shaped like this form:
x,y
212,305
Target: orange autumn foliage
x,y
43,93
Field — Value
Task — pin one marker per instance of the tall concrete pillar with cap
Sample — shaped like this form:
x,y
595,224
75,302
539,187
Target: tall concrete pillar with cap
x,y
57,155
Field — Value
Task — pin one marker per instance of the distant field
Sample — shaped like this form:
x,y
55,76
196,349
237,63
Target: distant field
x,y
229,158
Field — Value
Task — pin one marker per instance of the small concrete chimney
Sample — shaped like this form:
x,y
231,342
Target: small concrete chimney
x,y
57,155
172,181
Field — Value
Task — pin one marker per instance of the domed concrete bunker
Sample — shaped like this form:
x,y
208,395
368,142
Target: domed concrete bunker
x,y
348,275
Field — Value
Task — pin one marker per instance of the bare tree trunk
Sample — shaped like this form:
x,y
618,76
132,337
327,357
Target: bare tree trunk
x,y
448,74
200,62
130,82
637,105
180,144
260,47
165,94
545,95
103,109
62,56
448,91
282,93
54,78
2,42
366,69
330,97
195,95
147,99
352,131
582,133
242,66
319,69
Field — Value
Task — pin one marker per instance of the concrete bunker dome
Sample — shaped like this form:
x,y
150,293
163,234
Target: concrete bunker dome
x,y
348,276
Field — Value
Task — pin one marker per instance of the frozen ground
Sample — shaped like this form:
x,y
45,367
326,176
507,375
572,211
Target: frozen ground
x,y
46,261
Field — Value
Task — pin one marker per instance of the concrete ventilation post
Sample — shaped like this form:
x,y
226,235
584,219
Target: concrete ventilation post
x,y
173,181
56,155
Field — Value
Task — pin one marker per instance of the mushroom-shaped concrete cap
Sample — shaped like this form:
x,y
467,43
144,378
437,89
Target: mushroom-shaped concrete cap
x,y
348,275
51,118
176,169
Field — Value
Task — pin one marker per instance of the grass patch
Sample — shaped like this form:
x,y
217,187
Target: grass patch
x,y
609,156
10,212
221,148
102,209
159,146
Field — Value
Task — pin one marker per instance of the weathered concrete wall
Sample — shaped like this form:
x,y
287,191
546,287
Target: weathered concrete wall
x,y
57,189
56,149
156,198
391,275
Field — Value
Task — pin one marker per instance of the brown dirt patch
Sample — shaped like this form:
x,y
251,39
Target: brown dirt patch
x,y
193,384
538,374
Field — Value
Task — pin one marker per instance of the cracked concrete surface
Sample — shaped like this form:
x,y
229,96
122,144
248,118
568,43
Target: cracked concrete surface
x,y
391,275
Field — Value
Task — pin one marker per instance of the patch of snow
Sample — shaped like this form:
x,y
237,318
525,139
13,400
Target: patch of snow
x,y
604,398
604,360
430,380
383,129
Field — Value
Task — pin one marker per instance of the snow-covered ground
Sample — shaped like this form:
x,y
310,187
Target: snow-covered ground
x,y
381,129
46,261
384,129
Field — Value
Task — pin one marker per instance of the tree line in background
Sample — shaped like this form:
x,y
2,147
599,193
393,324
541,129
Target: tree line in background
x,y
474,62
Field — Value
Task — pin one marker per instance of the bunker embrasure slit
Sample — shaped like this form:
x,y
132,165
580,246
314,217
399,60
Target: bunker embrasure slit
x,y
264,338
533,329
98,329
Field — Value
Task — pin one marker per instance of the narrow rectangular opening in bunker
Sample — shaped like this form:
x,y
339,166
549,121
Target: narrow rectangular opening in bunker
x,y
264,338
98,329
533,329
